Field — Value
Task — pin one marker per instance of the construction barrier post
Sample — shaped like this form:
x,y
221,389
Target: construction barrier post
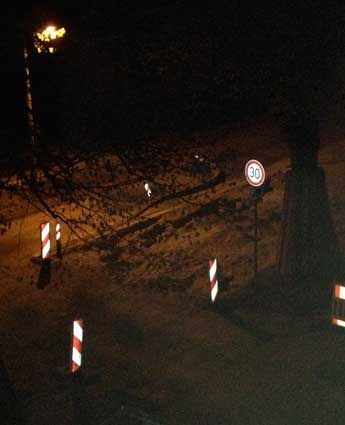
x,y
77,345
45,240
213,279
338,306
79,396
58,240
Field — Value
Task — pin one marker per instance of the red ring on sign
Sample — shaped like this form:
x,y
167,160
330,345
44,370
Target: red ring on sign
x,y
263,174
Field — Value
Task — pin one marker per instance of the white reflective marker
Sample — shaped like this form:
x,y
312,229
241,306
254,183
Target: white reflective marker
x,y
148,190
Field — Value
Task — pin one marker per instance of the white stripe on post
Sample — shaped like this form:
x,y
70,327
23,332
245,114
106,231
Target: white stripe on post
x,y
213,279
76,358
45,239
45,230
78,330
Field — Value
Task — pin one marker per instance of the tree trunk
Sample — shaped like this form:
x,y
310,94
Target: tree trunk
x,y
309,251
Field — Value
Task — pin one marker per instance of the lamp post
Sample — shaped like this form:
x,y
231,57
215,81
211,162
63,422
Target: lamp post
x,y
28,91
44,42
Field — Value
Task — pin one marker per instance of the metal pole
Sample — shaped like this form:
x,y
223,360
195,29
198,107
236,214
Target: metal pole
x,y
30,114
255,238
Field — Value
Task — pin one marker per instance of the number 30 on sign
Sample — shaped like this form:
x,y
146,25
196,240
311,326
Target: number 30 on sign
x,y
255,173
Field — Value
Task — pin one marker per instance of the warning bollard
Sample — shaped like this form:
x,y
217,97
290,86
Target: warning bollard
x,y
58,240
213,279
45,240
77,345
338,306
80,415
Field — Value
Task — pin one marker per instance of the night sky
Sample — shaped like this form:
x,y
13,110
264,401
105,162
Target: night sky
x,y
228,55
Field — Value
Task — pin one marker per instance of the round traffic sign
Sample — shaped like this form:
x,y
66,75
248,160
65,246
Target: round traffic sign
x,y
255,173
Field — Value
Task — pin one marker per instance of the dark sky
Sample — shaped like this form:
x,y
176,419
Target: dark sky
x,y
270,40
249,22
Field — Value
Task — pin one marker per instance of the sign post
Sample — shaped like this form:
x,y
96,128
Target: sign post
x,y
255,237
255,175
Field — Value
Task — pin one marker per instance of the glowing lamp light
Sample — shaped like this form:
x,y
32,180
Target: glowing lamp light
x,y
49,34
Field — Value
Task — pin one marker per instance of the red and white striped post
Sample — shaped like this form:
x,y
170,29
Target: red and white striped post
x,y
79,397
338,307
45,240
58,240
213,279
77,345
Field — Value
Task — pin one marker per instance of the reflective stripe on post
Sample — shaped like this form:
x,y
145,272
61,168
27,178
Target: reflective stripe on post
x,y
213,279
77,345
45,240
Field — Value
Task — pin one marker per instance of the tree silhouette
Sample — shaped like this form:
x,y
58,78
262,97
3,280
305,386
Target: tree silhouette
x,y
307,60
92,158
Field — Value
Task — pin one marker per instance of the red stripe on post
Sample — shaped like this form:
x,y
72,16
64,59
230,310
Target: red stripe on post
x,y
77,344
75,366
46,240
337,291
214,281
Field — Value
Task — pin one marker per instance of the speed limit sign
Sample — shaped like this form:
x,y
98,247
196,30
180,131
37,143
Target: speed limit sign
x,y
255,173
